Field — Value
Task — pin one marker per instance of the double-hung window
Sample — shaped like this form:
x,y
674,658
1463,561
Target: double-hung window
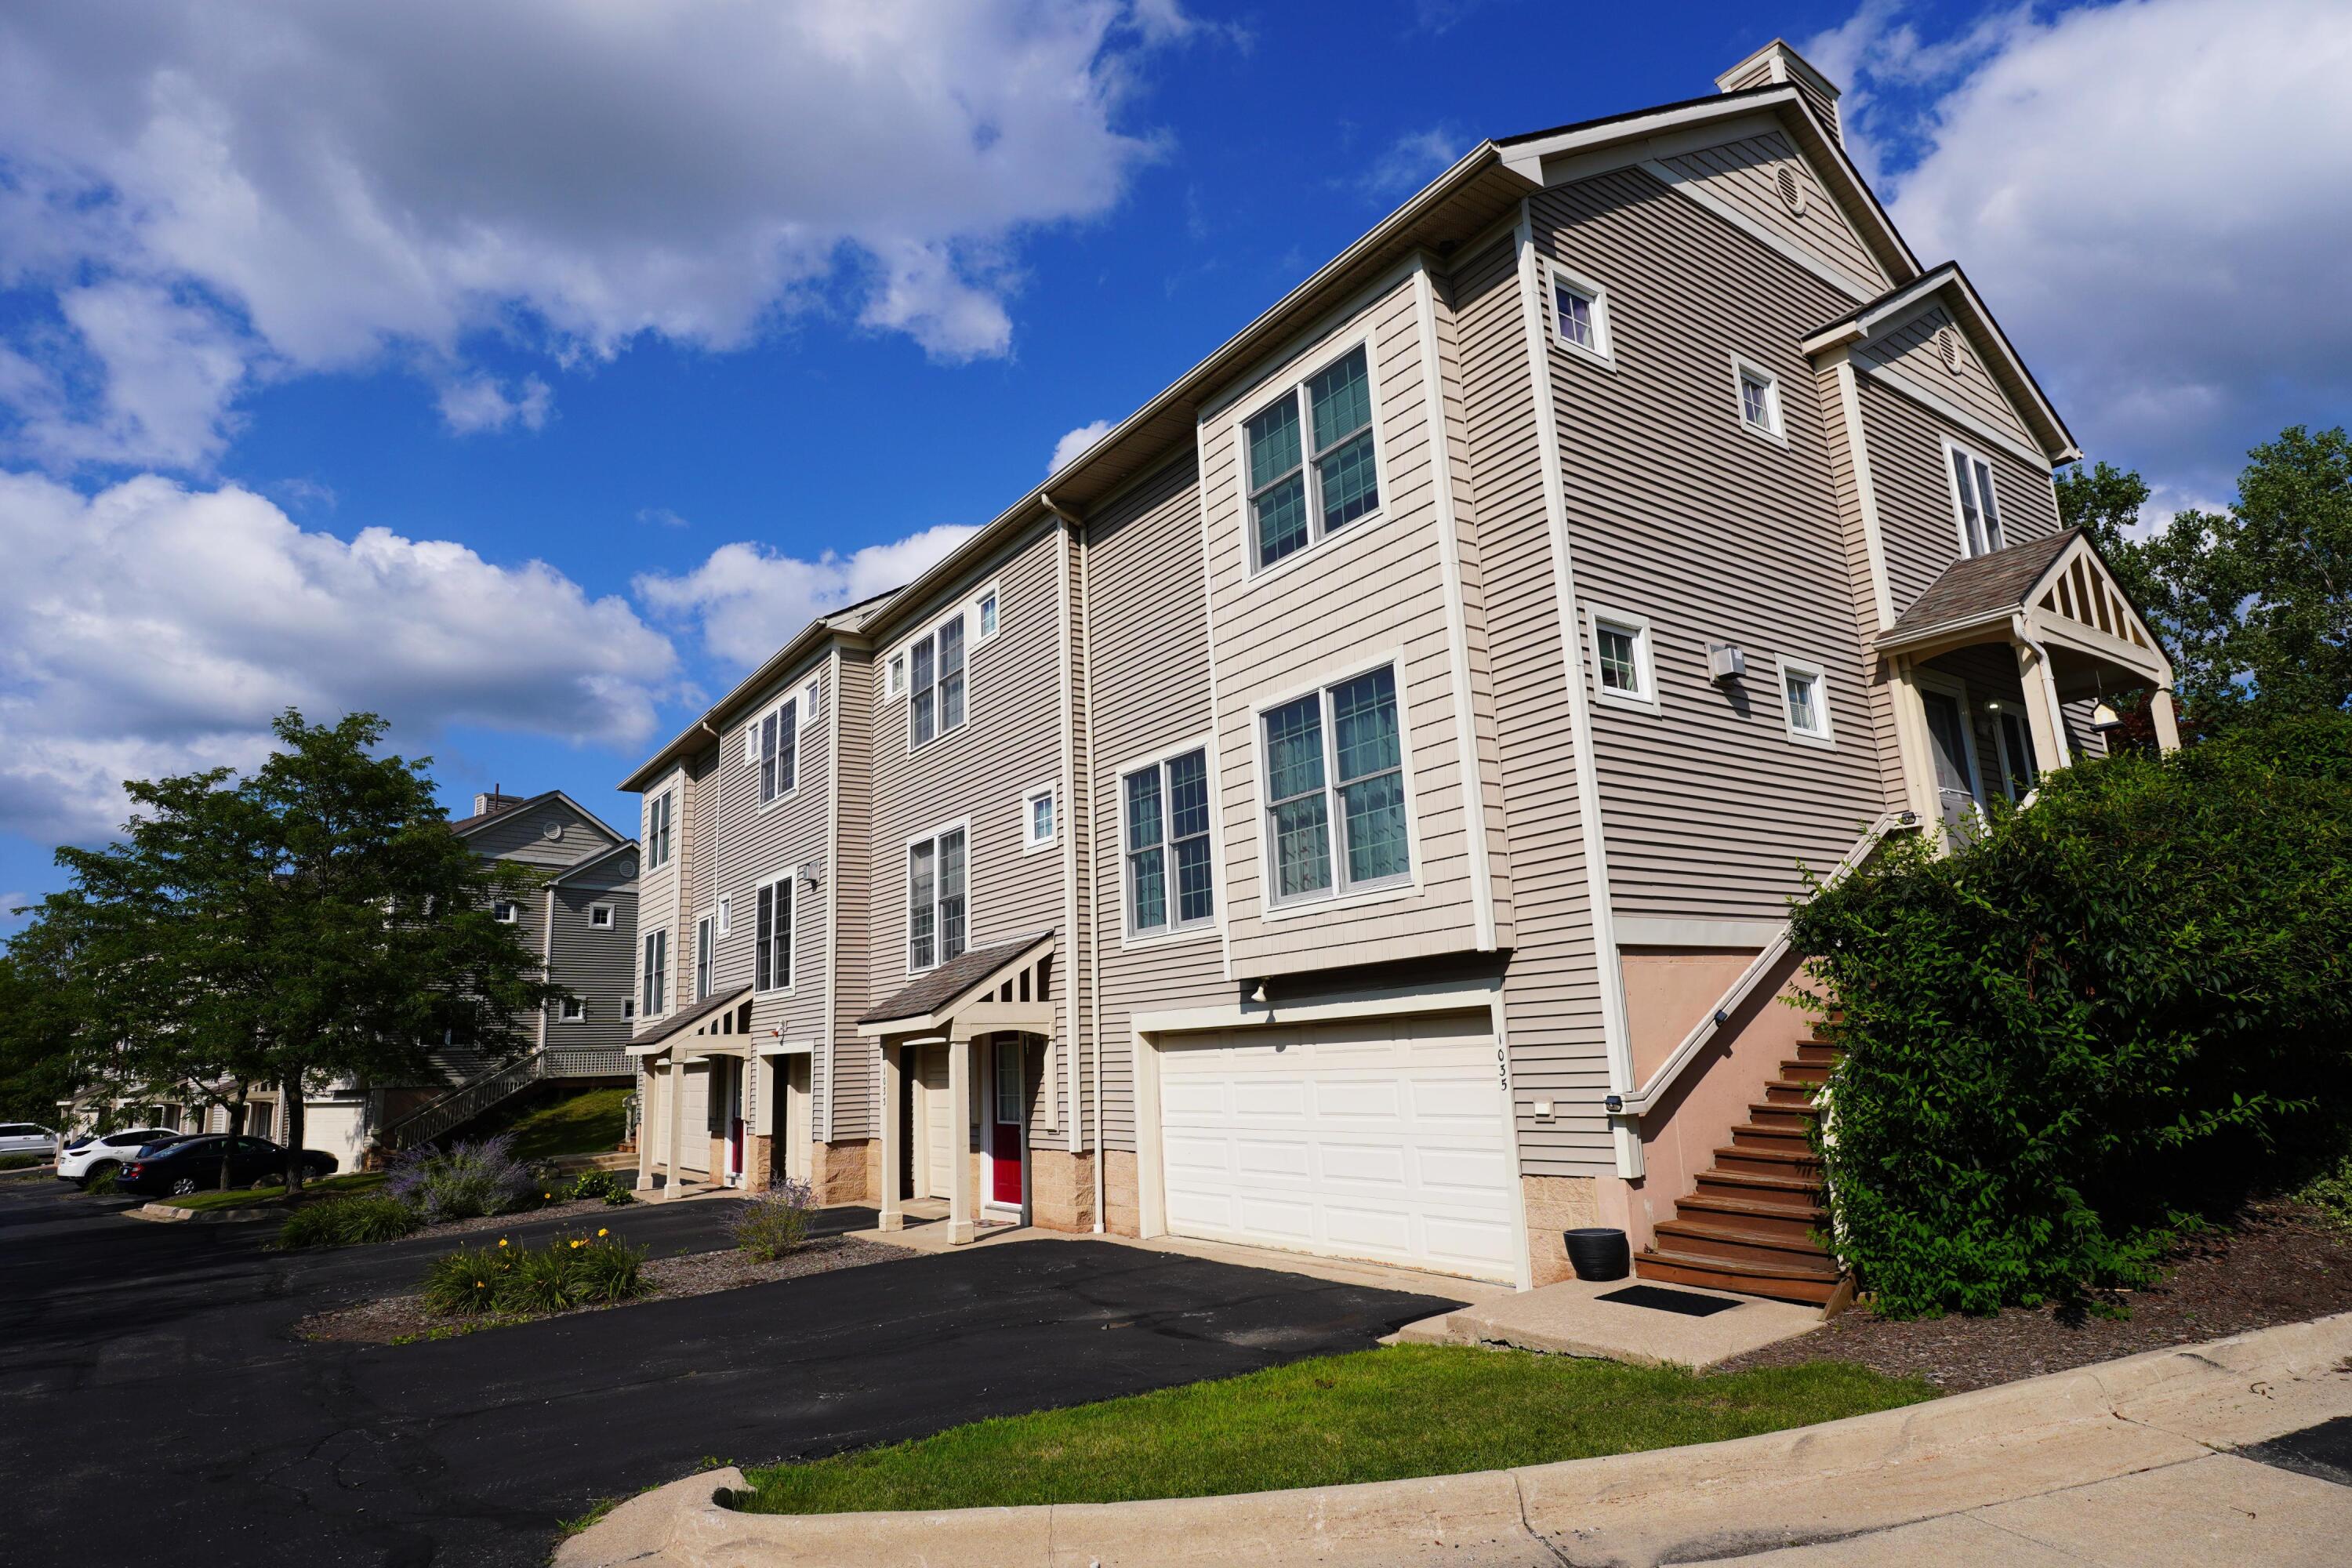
x,y
779,752
1336,756
657,831
772,930
1312,468
705,932
935,665
657,972
935,898
1169,880
1977,513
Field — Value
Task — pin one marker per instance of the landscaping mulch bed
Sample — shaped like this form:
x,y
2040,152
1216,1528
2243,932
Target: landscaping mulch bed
x,y
572,1208
400,1320
2280,1263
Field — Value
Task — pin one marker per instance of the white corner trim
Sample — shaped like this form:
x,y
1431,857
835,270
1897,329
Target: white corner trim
x,y
1614,1033
1449,548
1066,805
1936,403
1675,179
1866,491
820,1117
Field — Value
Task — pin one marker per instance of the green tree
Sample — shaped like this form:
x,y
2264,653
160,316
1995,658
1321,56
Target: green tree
x,y
2255,603
312,920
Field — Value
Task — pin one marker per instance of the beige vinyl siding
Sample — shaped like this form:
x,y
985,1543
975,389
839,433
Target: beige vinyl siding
x,y
520,836
1328,612
1073,820
847,1083
1151,692
596,965
1011,740
1551,995
754,843
1911,350
1909,471
1679,515
658,887
1745,175
1840,443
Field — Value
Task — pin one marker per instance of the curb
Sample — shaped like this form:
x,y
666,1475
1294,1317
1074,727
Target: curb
x,y
164,1214
1751,1494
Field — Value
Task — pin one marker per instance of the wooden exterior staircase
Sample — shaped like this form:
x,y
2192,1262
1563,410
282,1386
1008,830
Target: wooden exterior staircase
x,y
1750,1226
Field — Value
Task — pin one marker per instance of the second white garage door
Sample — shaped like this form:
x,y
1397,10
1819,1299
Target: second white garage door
x,y
1384,1141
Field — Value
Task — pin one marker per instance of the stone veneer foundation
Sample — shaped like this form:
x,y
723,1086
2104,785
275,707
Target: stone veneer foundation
x,y
1062,1189
1556,1204
1122,1200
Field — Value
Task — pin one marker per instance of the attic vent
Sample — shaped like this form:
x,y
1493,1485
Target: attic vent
x,y
1948,345
1792,194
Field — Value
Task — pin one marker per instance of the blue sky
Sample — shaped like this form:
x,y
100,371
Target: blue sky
x,y
527,390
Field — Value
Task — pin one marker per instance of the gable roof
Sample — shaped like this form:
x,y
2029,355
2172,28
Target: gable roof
x,y
655,1033
580,867
1947,285
466,825
1979,588
954,982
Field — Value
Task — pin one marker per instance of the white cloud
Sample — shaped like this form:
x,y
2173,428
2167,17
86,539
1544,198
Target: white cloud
x,y
660,517
152,628
2150,195
254,186
746,599
480,403
1411,161
1075,442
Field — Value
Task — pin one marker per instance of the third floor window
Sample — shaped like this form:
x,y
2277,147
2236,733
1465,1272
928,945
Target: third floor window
x,y
1311,458
1978,513
935,681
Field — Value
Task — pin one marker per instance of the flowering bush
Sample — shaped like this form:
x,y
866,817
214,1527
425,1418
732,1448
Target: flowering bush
x,y
465,1182
568,1271
776,1222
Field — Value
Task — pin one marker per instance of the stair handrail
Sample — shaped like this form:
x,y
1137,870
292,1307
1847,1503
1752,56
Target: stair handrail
x,y
1647,1097
468,1100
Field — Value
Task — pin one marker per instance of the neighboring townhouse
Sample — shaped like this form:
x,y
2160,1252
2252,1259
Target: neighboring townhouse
x,y
1353,808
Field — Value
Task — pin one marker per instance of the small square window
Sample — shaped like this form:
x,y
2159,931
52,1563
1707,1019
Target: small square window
x,y
575,1009
628,1007
1805,700
600,917
1580,315
1759,399
726,915
1622,672
895,685
1037,818
506,912
988,615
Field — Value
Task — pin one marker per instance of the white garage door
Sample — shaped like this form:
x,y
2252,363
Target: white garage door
x,y
1381,1140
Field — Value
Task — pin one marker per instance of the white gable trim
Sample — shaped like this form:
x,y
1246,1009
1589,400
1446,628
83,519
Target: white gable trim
x,y
1896,381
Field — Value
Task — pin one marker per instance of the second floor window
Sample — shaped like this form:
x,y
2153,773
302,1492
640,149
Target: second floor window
x,y
935,665
779,752
656,987
1334,790
772,968
1312,468
1972,495
575,1009
705,938
657,831
1759,399
506,912
1169,880
935,898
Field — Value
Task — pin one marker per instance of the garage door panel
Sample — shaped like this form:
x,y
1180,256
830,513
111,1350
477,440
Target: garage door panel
x,y
1381,1140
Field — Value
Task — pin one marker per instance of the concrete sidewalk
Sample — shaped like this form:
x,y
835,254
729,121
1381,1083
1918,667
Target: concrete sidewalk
x,y
1577,1317
2132,1462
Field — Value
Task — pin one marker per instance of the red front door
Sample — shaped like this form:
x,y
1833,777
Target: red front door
x,y
1004,1131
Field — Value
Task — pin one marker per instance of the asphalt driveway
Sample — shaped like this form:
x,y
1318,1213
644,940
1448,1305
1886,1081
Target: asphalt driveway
x,y
176,1418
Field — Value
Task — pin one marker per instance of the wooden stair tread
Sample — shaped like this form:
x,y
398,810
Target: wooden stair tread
x,y
1735,1267
1717,1202
1801,1156
1806,1185
1781,1107
1803,1253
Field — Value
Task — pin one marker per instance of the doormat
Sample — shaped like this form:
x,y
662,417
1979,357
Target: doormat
x,y
1659,1299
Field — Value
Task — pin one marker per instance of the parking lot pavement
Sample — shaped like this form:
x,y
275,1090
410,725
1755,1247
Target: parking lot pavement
x,y
151,1394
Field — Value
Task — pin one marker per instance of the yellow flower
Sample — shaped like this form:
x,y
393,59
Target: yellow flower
x,y
577,1245
478,1284
601,1231
502,1241
547,1195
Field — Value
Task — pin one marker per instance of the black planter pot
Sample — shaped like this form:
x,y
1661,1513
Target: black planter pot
x,y
1598,1252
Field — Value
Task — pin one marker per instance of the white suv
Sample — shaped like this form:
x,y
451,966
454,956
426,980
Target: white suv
x,y
91,1158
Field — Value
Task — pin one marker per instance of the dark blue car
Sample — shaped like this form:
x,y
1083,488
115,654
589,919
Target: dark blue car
x,y
194,1165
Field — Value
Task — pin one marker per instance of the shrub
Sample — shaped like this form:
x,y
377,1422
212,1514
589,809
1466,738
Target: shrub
x,y
105,1181
22,1162
568,1271
2103,1019
775,1222
602,1185
465,1182
348,1222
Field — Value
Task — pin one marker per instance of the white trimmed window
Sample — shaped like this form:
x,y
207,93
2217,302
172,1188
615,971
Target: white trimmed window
x,y
935,674
988,603
1579,314
1335,775
600,917
706,933
657,830
1037,818
935,898
1759,391
1975,507
894,683
1170,878
726,914
773,745
809,700
1310,459
1805,702
772,932
654,990
628,1008
1623,672
575,1010
506,912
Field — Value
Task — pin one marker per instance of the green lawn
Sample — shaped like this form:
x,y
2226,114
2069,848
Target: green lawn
x,y
244,1197
589,1123
1374,1416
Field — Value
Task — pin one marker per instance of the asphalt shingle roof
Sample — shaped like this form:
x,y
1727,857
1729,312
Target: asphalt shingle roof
x,y
717,1002
1981,587
929,992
